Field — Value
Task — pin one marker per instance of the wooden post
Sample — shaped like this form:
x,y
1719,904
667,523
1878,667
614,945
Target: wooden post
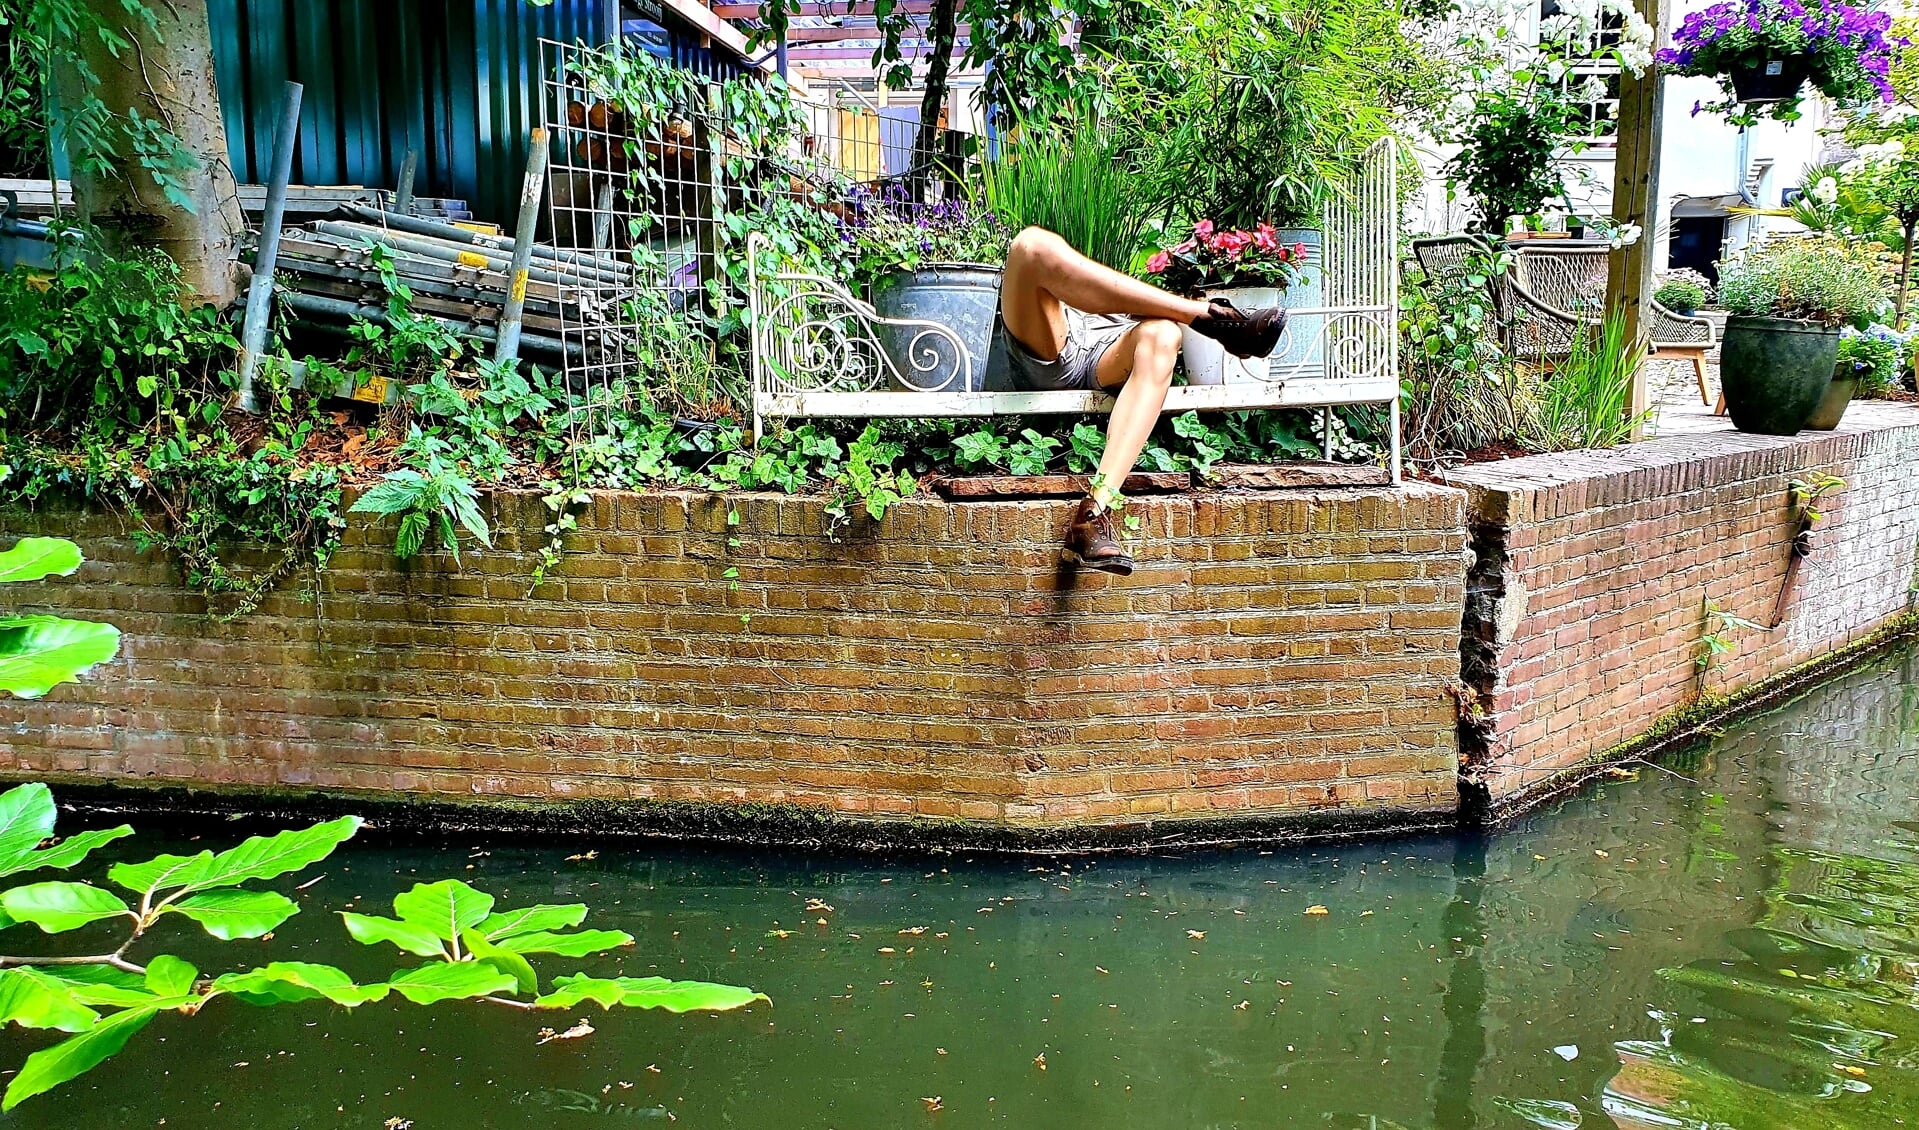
x,y
1629,278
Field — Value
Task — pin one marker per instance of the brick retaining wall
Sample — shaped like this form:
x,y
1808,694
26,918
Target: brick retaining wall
x,y
1585,613
1278,655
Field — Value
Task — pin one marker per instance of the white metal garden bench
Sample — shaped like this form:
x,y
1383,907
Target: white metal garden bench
x,y
816,352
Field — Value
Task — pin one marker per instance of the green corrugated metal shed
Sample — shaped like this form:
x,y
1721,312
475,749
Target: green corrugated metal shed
x,y
456,80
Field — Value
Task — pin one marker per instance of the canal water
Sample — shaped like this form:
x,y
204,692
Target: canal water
x,y
1730,939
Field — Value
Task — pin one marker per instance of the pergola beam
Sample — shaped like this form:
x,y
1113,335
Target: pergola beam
x,y
1629,278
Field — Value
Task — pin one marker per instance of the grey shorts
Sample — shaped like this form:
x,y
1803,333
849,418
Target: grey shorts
x,y
1088,337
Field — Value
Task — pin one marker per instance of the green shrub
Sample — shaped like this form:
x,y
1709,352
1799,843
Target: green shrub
x,y
1074,183
1873,356
1681,294
1809,279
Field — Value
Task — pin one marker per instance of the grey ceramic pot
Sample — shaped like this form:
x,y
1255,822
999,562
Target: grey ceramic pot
x,y
1832,406
1775,371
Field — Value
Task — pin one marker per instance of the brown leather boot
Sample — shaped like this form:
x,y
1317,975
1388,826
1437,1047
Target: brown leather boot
x,y
1091,541
1244,334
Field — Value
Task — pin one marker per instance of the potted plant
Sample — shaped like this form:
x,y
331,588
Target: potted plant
x,y
1249,268
1764,51
928,262
1869,361
1787,302
1683,291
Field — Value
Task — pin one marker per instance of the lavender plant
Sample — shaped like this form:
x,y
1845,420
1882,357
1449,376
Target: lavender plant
x,y
1847,51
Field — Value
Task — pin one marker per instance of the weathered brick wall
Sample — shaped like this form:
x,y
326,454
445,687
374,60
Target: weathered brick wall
x,y
1277,655
1586,610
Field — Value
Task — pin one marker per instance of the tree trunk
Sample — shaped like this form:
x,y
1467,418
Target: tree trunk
x,y
166,77
945,29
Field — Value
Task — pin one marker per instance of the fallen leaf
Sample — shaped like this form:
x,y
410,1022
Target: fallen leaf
x,y
583,857
1196,935
933,1103
1039,1061
1602,854
779,933
912,931
1242,1006
1316,910
1365,914
1100,969
1849,1069
578,1031
886,949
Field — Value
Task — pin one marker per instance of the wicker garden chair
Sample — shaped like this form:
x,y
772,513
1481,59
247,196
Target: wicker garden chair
x,y
1554,289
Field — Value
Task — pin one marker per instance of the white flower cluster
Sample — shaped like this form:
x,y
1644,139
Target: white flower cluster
x,y
1576,28
1890,153
1826,191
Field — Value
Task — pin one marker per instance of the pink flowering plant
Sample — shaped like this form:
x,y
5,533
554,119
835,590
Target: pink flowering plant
x,y
1215,258
1846,51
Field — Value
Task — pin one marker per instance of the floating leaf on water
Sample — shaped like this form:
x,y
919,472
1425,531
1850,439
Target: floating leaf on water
x,y
1196,935
583,857
1039,1061
933,1102
579,1031
1316,910
1602,854
1849,1069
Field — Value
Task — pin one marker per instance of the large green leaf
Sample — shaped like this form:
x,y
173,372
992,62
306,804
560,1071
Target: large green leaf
x,y
161,873
451,980
50,1067
33,559
168,976
506,961
268,857
230,914
527,919
647,992
101,985
32,999
59,907
568,945
26,818
67,852
369,929
445,908
38,653
288,982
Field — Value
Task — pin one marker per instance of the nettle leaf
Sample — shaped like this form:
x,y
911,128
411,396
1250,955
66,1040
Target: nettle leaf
x,y
169,976
33,559
59,907
444,908
369,929
50,1067
38,653
451,980
568,945
527,919
505,960
32,999
229,914
290,982
647,992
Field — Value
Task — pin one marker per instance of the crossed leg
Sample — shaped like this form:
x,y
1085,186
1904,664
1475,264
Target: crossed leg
x,y
1042,273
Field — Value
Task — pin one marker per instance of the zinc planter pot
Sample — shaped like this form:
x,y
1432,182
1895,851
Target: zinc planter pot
x,y
1832,406
1774,80
963,297
1775,371
1302,349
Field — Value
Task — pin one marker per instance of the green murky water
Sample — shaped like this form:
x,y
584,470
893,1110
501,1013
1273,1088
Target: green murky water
x,y
1730,942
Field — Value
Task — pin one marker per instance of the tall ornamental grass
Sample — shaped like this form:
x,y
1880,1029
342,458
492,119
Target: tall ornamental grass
x,y
1072,181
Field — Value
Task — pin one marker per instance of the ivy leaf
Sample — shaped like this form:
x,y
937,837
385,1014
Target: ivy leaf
x,y
451,980
38,653
527,919
505,960
48,1068
33,559
369,930
290,982
59,907
229,914
32,999
647,992
568,945
169,976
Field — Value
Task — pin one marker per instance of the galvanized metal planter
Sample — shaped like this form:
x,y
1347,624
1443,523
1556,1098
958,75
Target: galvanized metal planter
x,y
964,297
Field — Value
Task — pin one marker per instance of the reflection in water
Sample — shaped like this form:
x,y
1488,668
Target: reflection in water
x,y
1730,941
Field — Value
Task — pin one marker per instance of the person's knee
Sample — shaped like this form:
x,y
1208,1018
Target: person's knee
x,y
1034,245
1157,348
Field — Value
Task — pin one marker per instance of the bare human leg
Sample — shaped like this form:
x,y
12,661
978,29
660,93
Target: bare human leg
x,y
1043,271
1140,365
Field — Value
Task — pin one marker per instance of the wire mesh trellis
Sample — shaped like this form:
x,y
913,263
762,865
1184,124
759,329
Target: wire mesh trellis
x,y
657,178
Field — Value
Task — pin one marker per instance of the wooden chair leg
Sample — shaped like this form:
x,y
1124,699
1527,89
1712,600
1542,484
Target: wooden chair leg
x,y
1699,370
